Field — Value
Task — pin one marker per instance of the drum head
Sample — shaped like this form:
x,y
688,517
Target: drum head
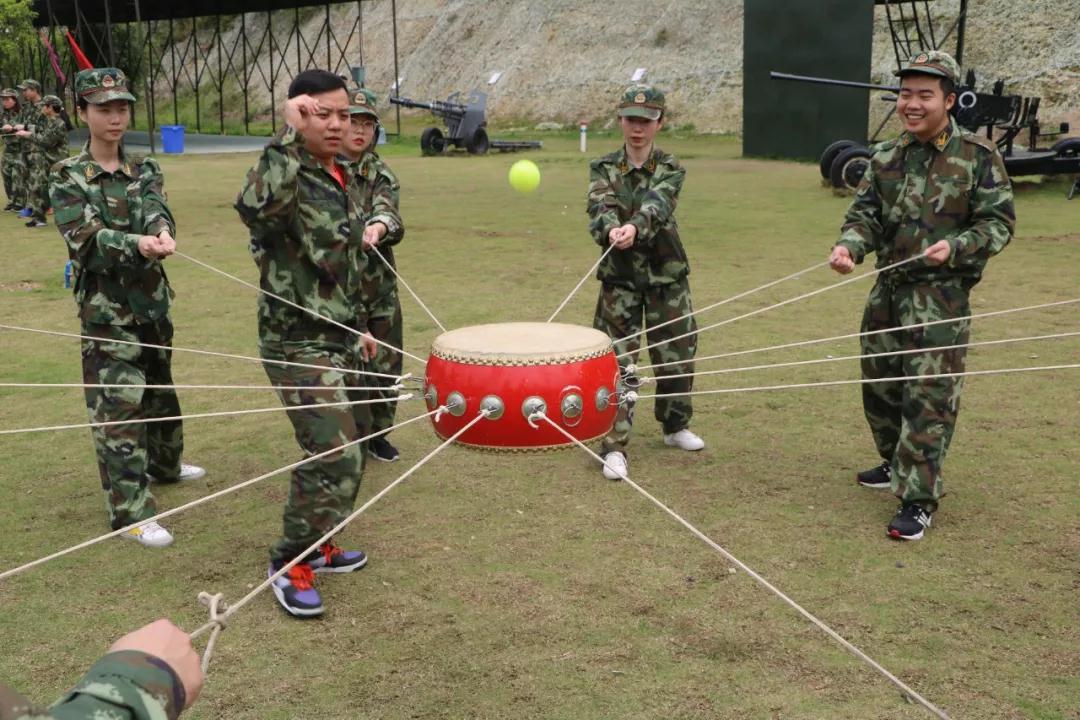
x,y
521,343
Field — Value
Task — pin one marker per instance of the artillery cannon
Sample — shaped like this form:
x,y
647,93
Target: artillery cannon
x,y
466,125
1002,116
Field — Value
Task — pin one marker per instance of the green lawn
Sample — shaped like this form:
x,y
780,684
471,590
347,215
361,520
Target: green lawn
x,y
518,586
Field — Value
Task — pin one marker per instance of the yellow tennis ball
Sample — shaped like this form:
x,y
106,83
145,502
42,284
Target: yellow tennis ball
x,y
524,176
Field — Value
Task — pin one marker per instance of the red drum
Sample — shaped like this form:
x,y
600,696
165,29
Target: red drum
x,y
568,371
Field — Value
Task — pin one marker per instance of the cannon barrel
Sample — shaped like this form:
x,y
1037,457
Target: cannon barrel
x,y
831,81
439,107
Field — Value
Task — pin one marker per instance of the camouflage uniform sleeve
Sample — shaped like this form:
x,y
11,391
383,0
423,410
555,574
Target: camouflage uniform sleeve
x,y
124,685
268,199
98,248
49,135
659,202
156,215
862,222
384,205
993,216
603,205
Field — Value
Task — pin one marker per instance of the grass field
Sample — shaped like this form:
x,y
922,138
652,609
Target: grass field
x,y
528,586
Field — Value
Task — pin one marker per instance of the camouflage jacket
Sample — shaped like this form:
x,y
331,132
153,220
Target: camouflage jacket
x,y
380,190
306,238
914,194
126,685
101,216
30,117
51,141
11,117
645,197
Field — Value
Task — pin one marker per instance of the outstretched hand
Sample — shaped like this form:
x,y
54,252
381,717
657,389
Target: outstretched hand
x,y
172,646
841,260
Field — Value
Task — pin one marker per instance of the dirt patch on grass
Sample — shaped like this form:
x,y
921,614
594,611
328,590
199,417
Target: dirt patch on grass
x,y
20,286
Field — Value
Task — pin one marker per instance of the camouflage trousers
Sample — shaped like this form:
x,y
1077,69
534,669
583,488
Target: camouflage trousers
x,y
37,186
622,312
321,493
913,421
385,324
14,177
128,453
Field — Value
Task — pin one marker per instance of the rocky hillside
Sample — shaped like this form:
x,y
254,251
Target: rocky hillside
x,y
561,59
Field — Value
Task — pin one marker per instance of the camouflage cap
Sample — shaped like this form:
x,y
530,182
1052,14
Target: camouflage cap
x,y
362,102
101,85
29,84
932,62
52,101
9,93
642,101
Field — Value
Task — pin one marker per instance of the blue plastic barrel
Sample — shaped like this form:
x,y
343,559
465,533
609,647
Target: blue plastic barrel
x,y
172,138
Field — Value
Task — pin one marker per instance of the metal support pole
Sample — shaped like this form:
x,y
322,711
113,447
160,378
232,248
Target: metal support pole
x,y
175,77
195,53
147,95
273,62
960,33
397,74
109,33
244,69
221,78
329,31
296,29
360,22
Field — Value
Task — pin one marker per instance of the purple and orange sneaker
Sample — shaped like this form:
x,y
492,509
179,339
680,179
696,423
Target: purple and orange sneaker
x,y
295,590
332,559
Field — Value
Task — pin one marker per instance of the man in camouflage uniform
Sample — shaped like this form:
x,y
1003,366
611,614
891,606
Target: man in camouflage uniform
x,y
152,673
382,230
304,209
631,206
30,117
110,209
50,142
9,116
941,192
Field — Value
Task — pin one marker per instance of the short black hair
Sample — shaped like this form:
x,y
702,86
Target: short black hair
x,y
313,82
948,87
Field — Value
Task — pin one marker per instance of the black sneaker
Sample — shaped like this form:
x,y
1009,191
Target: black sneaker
x,y
879,478
36,224
381,449
909,522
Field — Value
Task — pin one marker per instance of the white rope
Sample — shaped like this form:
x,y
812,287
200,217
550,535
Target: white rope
x,y
581,282
891,353
226,413
234,607
402,281
758,578
812,293
104,386
211,353
309,311
731,299
208,498
828,383
803,343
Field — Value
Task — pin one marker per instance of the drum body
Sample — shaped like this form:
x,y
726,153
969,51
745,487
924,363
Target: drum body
x,y
568,371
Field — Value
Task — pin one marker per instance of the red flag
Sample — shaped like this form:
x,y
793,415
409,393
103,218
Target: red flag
x,y
53,59
80,58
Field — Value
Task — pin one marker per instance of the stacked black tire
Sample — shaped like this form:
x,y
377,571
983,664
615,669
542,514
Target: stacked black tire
x,y
843,163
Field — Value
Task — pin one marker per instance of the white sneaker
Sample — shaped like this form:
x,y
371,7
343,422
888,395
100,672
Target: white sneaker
x,y
190,472
150,535
614,465
684,440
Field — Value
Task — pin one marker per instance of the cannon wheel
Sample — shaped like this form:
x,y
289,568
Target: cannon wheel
x,y
849,167
829,154
478,144
1067,147
432,141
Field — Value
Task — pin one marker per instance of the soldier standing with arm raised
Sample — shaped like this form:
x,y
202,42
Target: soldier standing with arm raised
x,y
631,206
303,207
941,192
110,209
382,229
